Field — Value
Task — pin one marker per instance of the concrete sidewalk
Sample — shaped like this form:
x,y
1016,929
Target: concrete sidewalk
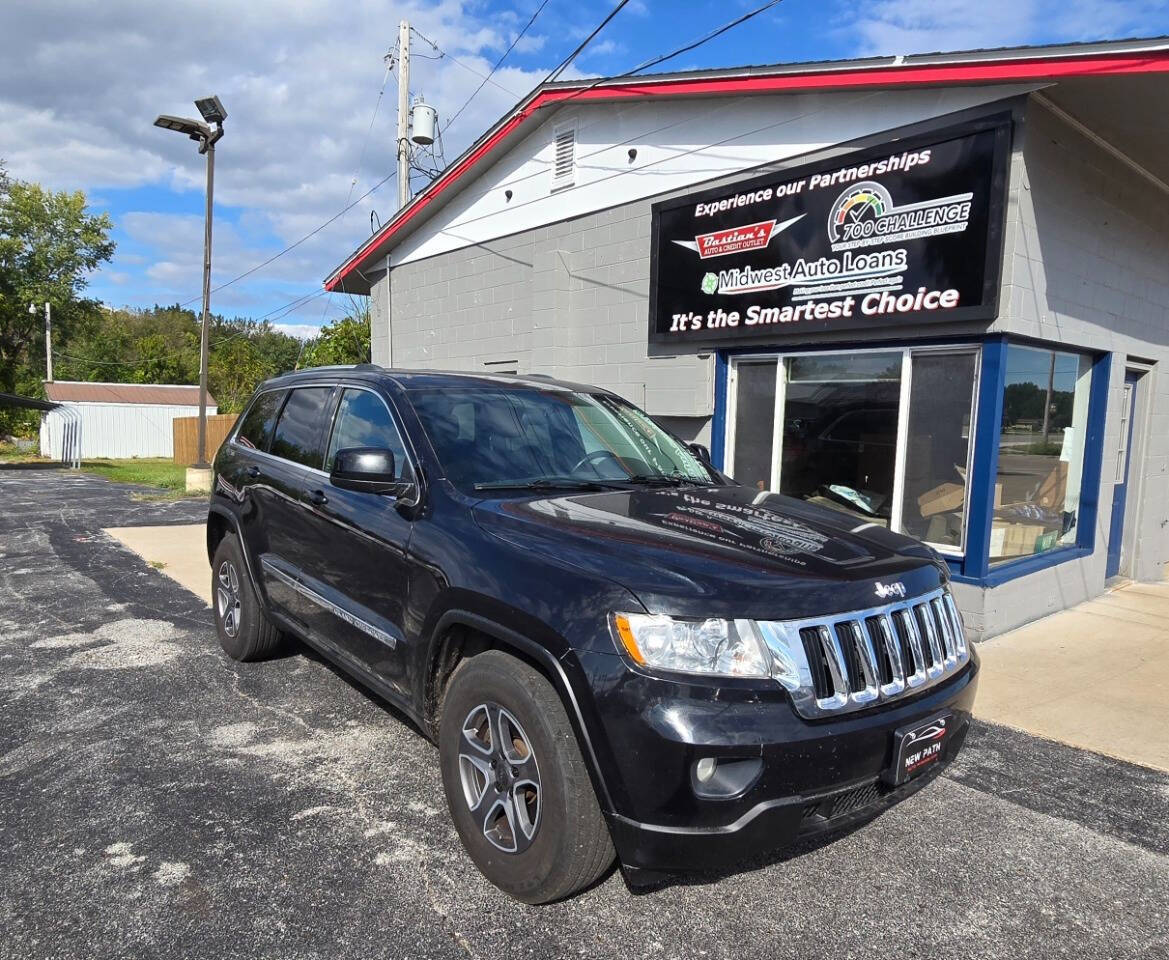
x,y
1095,677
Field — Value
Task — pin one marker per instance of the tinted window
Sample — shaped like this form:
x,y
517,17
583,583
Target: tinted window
x,y
363,421
298,431
493,435
255,430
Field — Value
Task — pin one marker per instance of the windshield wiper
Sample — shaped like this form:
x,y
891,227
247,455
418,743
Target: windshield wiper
x,y
665,480
543,483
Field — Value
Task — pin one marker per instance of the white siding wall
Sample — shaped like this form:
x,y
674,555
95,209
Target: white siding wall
x,y
679,143
119,430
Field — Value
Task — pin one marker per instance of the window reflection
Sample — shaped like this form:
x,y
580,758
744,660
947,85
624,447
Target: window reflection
x,y
1041,452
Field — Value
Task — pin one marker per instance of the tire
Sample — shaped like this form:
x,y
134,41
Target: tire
x,y
562,843
245,633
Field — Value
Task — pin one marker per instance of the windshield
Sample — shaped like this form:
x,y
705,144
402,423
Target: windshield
x,y
497,437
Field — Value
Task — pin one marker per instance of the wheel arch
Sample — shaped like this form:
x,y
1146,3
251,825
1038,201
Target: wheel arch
x,y
461,633
221,522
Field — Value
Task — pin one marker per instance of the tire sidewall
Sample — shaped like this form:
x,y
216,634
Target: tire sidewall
x,y
243,644
525,874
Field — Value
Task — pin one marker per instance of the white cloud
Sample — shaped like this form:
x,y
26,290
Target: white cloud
x,y
302,331
926,26
80,85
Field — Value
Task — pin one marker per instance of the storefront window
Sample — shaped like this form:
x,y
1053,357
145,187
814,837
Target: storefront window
x,y
938,447
1041,452
754,420
840,415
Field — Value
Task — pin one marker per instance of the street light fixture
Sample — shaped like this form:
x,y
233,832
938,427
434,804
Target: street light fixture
x,y
213,112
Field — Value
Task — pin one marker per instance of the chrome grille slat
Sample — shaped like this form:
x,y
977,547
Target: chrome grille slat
x,y
917,641
919,675
868,658
956,623
893,649
949,646
935,666
836,669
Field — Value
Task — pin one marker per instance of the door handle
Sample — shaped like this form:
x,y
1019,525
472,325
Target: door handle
x,y
253,471
317,498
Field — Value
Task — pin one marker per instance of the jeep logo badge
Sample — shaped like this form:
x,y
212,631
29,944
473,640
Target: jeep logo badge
x,y
887,590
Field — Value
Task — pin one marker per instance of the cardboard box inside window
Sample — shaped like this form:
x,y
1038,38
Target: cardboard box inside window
x,y
1010,539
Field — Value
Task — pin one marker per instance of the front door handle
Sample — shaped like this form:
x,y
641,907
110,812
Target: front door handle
x,y
253,472
317,498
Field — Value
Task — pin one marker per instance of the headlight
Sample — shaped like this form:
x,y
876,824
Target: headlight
x,y
730,648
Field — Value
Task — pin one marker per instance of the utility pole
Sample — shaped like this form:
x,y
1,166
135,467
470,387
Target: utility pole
x,y
403,113
48,342
32,308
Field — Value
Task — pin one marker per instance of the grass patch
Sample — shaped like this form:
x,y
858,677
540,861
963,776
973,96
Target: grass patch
x,y
170,476
11,453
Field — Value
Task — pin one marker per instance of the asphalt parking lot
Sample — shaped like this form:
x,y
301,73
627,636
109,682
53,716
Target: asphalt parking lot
x,y
157,799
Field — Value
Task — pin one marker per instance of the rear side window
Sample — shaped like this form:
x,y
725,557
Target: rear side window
x,y
298,431
255,430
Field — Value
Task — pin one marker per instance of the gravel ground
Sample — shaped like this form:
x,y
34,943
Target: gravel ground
x,y
157,799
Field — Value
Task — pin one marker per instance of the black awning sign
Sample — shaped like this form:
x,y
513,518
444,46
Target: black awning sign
x,y
890,236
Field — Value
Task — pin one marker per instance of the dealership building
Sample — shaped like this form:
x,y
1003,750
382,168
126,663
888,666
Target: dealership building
x,y
931,292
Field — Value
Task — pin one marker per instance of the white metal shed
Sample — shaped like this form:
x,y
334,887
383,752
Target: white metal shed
x,y
121,420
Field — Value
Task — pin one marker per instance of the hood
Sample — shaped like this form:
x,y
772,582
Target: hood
x,y
719,551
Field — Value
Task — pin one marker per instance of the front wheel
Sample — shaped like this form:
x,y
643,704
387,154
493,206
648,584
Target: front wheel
x,y
516,784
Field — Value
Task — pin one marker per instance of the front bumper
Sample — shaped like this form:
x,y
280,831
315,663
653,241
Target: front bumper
x,y
815,775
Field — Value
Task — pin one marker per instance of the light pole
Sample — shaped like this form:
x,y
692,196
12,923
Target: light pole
x,y
213,112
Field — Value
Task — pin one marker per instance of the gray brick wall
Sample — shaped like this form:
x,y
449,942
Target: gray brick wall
x,y
569,300
1087,264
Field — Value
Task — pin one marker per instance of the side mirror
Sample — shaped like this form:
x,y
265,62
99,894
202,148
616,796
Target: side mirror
x,y
368,470
700,451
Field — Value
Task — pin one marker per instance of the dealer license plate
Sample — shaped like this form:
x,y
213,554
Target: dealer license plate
x,y
918,748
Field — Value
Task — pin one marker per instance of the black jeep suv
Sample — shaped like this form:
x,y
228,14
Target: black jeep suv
x,y
616,648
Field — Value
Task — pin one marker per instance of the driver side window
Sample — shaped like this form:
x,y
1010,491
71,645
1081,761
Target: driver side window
x,y
363,421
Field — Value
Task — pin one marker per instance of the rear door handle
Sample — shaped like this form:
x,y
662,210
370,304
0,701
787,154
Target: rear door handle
x,y
253,472
317,498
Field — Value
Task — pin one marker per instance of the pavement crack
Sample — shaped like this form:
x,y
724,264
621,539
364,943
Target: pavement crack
x,y
424,872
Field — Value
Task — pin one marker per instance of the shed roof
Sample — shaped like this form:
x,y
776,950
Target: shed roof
x,y
165,394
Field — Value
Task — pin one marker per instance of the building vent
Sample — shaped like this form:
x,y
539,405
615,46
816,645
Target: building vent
x,y
564,158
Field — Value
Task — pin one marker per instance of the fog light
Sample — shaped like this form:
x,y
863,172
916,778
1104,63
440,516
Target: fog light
x,y
725,777
704,769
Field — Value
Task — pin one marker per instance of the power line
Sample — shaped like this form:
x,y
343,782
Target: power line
x,y
292,246
717,32
584,43
450,56
484,81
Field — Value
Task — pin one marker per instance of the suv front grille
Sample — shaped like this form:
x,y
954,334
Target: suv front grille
x,y
853,660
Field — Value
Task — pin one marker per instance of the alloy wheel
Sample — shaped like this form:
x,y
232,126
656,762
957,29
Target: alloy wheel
x,y
500,777
227,601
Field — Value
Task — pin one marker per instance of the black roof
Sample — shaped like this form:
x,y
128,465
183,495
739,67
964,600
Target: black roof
x,y
429,379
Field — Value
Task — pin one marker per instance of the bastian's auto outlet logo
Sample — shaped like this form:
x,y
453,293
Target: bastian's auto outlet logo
x,y
864,215
750,236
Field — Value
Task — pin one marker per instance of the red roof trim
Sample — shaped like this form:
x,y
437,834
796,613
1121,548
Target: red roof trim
x,y
951,74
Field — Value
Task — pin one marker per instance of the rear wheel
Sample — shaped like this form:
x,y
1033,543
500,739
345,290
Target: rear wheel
x,y
516,784
244,632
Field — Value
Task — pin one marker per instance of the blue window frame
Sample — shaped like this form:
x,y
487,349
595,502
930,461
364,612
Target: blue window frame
x,y
974,565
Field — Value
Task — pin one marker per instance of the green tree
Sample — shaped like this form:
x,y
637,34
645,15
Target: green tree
x,y
49,244
342,341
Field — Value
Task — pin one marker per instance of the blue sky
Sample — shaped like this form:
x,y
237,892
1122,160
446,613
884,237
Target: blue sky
x,y
80,85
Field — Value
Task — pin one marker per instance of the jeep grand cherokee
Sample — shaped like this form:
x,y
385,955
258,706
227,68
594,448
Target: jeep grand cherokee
x,y
618,650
